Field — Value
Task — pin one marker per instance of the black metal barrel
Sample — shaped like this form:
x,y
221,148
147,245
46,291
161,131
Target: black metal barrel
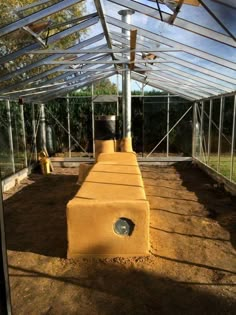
x,y
105,127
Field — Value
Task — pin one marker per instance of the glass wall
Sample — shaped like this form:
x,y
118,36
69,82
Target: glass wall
x,y
162,125
16,137
19,148
31,119
161,122
6,145
214,135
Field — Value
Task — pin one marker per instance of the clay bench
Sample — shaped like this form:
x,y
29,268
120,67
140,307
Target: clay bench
x,y
109,216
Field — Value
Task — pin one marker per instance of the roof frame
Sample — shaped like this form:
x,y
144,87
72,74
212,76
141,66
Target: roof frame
x,y
45,60
186,64
179,23
177,45
39,15
190,77
52,39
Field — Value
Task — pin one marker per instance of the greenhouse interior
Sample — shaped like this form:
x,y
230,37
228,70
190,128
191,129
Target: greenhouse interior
x,y
118,157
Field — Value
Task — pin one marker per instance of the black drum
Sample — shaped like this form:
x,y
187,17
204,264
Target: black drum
x,y
105,127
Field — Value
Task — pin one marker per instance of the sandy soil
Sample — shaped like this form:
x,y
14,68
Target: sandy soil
x,y
191,268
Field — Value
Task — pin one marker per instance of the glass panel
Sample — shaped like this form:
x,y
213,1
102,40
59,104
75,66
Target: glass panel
x,y
226,137
80,126
5,151
13,10
205,131
28,114
155,124
20,65
181,136
234,158
197,137
213,159
56,127
18,136
81,123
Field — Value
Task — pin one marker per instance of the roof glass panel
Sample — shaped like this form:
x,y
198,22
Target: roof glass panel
x,y
193,48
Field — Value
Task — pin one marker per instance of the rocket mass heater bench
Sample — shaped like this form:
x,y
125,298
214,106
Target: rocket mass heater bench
x,y
109,216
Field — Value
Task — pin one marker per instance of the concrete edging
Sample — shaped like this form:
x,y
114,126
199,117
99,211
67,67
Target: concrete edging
x,y
15,179
228,185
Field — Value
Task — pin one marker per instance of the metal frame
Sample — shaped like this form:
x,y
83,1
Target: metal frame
x,y
5,306
68,123
172,43
172,73
220,130
168,124
10,135
193,78
207,161
23,133
37,16
39,63
209,133
233,141
180,23
178,121
52,39
201,130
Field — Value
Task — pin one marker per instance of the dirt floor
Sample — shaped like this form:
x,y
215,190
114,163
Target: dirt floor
x,y
191,268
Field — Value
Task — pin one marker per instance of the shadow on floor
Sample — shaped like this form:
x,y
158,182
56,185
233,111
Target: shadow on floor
x,y
109,288
35,217
221,206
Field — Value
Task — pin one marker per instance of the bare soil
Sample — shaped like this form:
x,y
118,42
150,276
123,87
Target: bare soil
x,y
191,268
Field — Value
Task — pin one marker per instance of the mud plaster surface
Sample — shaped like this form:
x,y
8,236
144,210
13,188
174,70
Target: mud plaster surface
x,y
191,268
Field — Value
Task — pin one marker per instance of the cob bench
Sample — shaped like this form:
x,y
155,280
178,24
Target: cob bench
x,y
109,216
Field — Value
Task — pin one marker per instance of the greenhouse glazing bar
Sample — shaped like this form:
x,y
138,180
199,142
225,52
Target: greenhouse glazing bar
x,y
37,16
221,88
220,131
74,85
169,131
153,83
233,141
93,122
42,61
52,39
10,136
202,153
48,72
194,129
43,128
68,123
34,132
224,81
223,25
221,164
172,43
168,125
180,23
209,132
23,133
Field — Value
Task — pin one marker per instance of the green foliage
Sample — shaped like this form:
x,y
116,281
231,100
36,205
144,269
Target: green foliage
x,y
80,123
102,87
147,93
105,87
